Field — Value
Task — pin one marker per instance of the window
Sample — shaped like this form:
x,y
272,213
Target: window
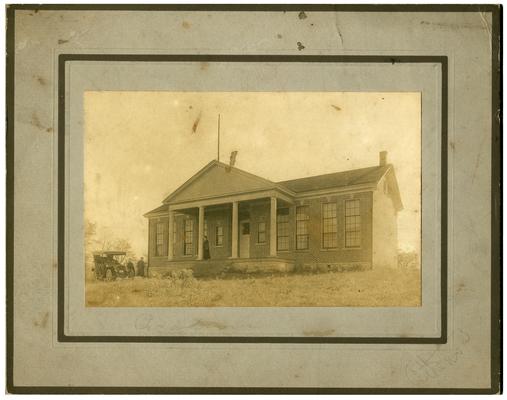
x,y
174,237
160,239
219,235
188,244
261,232
205,227
352,223
329,226
302,237
282,229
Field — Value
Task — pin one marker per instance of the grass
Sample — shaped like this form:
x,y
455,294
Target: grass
x,y
374,288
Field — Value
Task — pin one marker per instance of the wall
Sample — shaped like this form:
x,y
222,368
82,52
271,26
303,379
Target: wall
x,y
315,252
213,218
385,229
179,220
153,258
259,212
292,234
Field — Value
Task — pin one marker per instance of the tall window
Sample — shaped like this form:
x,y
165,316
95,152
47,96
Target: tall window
x,y
352,223
205,227
188,244
219,235
329,226
282,229
160,239
261,232
302,237
174,237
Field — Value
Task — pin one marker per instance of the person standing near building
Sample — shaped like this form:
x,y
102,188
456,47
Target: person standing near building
x,y
130,269
140,267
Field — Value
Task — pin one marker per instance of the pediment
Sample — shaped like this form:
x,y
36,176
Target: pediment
x,y
215,180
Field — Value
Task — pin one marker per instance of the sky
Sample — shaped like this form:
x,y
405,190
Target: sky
x,y
141,146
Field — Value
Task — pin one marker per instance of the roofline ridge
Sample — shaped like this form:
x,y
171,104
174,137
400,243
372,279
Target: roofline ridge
x,y
332,173
245,172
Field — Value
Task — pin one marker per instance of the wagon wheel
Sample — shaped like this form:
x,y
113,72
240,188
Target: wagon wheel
x,y
99,273
110,276
121,272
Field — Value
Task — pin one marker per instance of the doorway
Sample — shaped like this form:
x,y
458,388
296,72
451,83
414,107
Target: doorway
x,y
244,239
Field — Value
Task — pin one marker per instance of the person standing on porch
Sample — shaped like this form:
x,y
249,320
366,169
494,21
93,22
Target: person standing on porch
x,y
205,248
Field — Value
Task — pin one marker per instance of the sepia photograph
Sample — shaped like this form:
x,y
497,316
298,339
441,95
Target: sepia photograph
x,y
252,199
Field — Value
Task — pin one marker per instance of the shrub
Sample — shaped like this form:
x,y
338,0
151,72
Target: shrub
x,y
183,277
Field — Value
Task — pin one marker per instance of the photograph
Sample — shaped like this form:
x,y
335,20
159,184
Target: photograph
x,y
252,199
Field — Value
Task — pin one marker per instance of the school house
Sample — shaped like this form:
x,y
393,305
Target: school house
x,y
343,220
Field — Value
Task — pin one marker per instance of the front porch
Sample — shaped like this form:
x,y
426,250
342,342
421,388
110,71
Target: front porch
x,y
241,229
223,217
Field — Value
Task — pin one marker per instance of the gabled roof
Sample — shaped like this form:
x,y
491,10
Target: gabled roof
x,y
230,178
361,176
337,179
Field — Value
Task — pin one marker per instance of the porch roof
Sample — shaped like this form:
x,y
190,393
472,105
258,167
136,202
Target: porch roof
x,y
218,200
232,197
163,209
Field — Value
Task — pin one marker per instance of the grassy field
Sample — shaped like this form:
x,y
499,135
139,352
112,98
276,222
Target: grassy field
x,y
374,288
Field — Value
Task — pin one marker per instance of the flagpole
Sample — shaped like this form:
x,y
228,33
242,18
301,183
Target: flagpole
x,y
218,150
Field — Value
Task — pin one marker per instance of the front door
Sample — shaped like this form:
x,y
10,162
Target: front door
x,y
244,239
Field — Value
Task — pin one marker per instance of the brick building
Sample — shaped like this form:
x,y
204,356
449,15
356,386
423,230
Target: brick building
x,y
339,220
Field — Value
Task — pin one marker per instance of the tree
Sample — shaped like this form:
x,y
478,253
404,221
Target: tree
x,y
90,233
103,239
123,245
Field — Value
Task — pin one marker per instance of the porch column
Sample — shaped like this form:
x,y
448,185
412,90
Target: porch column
x,y
234,233
272,228
170,238
200,233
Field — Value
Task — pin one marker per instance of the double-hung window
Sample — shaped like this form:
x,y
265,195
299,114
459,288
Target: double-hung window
x,y
329,226
219,235
302,236
160,239
352,223
188,244
282,229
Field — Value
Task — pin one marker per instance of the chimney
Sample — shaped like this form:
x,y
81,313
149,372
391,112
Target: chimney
x,y
382,158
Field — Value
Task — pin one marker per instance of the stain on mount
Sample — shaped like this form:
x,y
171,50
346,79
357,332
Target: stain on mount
x,y
302,15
